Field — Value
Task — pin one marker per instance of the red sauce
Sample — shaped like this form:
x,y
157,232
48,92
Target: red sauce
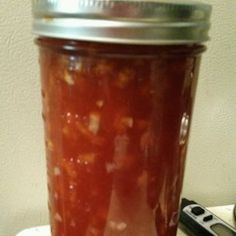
x,y
116,128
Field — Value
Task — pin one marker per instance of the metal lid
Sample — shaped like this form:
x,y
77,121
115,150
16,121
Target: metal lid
x,y
123,21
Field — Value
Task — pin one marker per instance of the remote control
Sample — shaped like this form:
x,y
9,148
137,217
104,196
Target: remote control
x,y
201,222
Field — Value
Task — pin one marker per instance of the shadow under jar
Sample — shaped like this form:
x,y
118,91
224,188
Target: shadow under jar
x,y
118,85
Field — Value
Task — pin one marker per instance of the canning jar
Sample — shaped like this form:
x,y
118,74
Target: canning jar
x,y
118,86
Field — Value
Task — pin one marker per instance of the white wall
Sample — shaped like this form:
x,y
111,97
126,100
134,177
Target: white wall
x,y
211,168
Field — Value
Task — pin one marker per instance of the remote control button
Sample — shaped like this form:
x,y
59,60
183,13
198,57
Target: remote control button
x,y
197,211
208,218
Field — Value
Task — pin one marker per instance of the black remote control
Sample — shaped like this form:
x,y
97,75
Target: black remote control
x,y
201,222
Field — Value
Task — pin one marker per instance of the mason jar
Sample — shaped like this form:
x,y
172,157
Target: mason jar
x,y
118,86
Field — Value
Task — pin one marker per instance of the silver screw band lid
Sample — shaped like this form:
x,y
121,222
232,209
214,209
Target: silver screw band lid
x,y
155,22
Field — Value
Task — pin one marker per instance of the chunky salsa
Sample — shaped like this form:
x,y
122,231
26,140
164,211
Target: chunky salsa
x,y
116,128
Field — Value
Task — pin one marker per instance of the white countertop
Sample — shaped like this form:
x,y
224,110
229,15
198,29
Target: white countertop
x,y
224,212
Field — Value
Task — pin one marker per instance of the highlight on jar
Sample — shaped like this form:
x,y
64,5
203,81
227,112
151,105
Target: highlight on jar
x,y
118,81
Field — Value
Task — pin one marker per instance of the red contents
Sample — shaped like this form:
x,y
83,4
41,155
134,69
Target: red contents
x,y
116,124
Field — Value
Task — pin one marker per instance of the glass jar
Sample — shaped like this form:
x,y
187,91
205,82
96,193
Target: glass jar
x,y
117,107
